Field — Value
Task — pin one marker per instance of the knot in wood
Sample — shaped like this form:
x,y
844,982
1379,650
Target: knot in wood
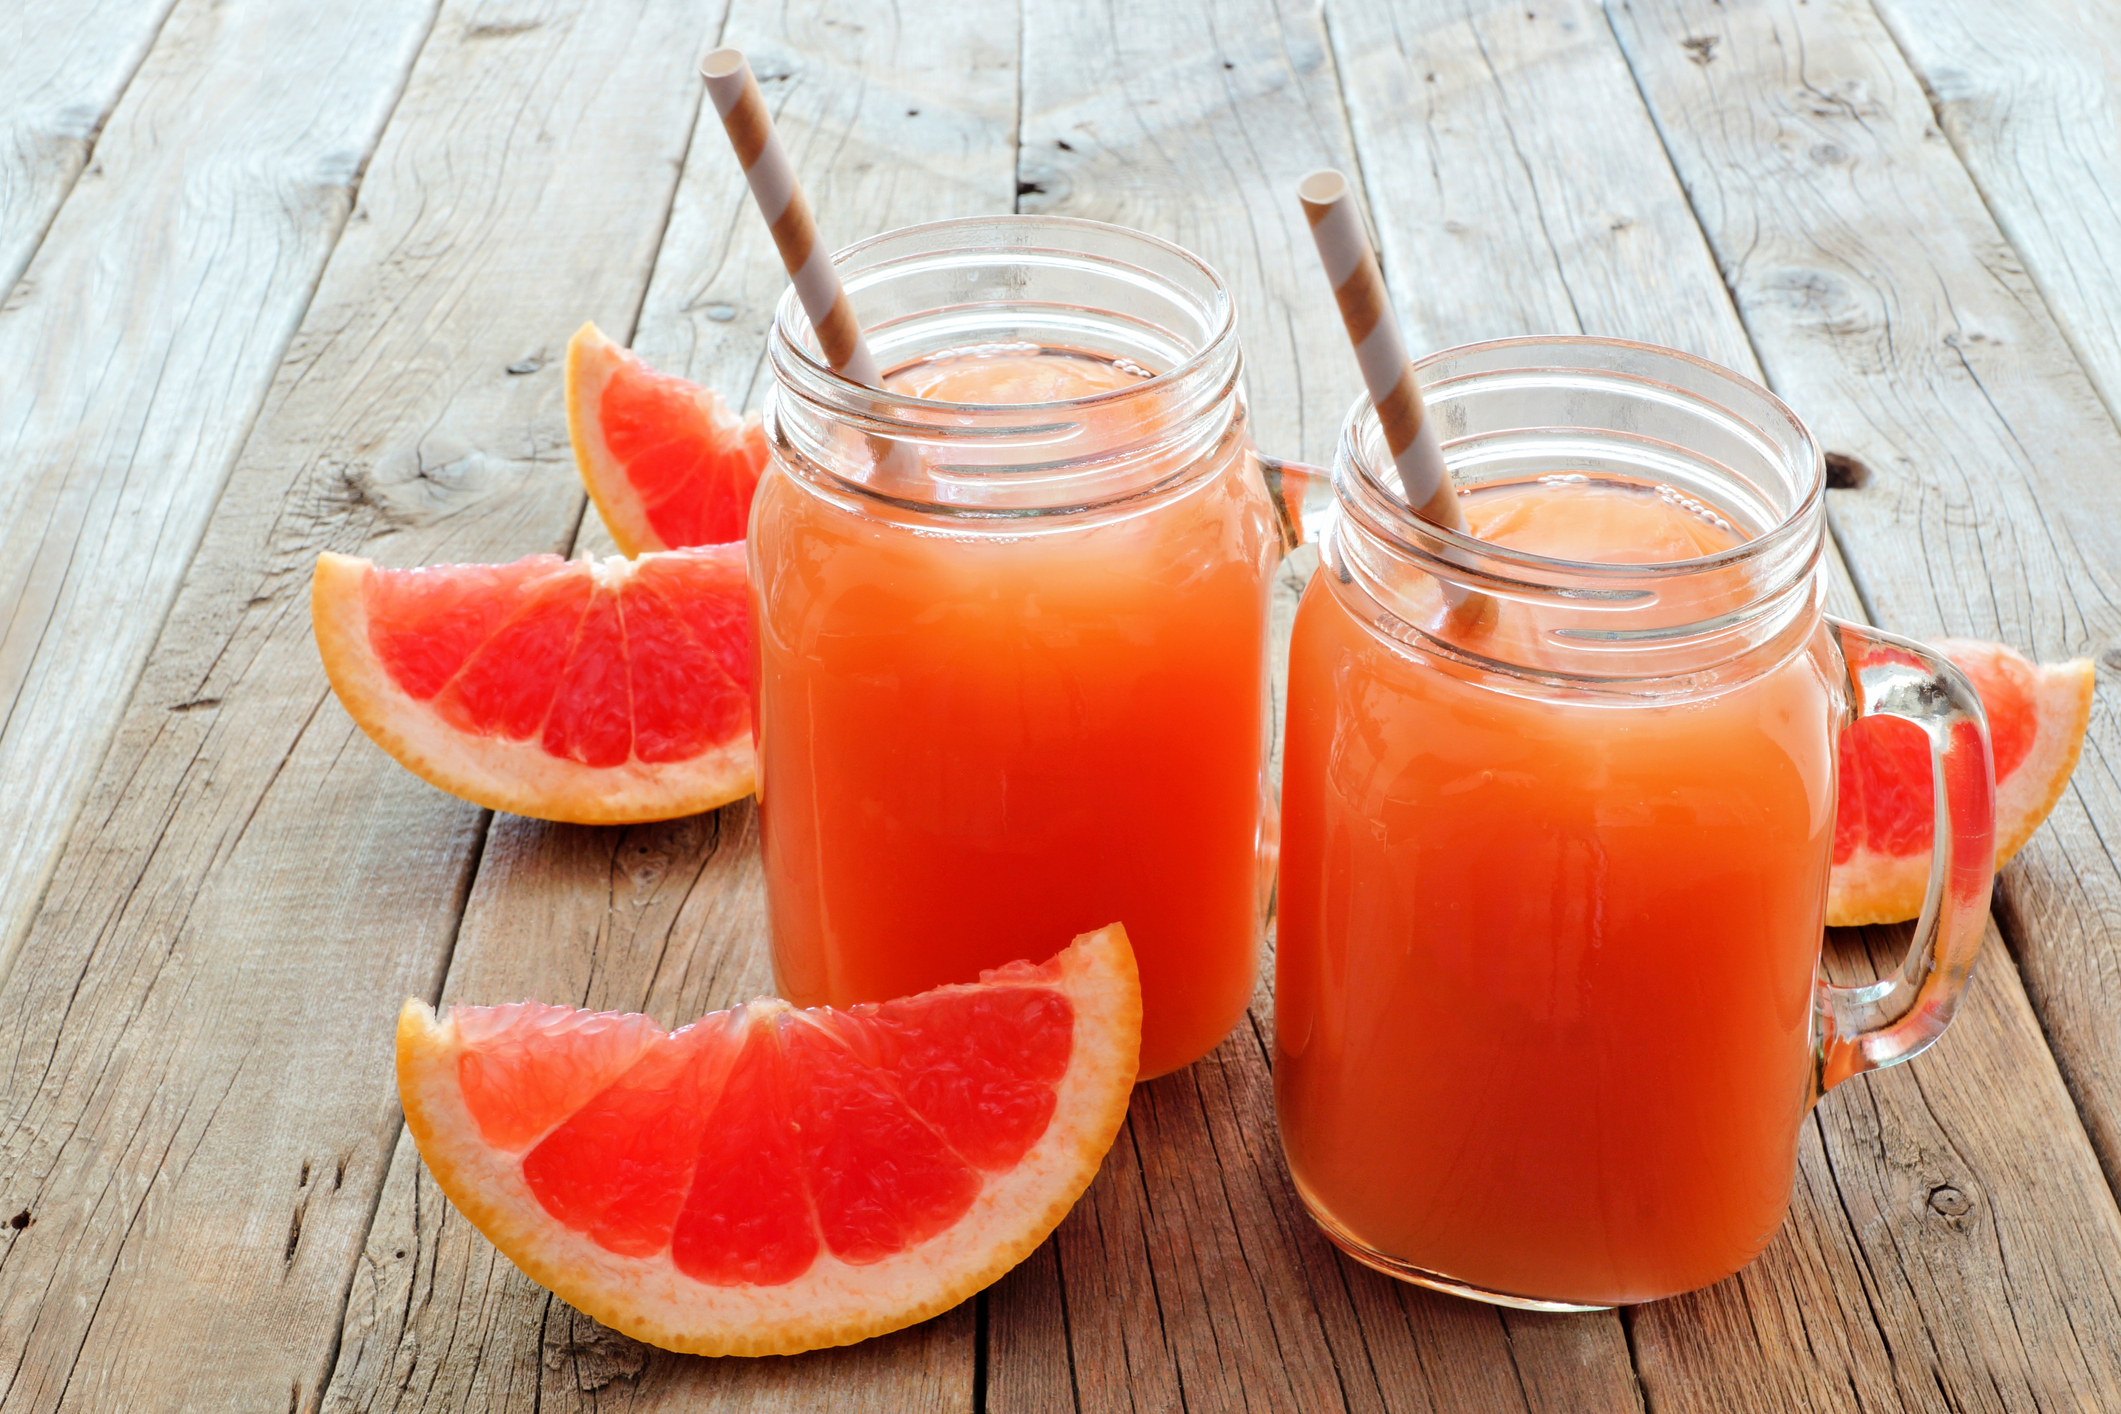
x,y
1846,473
1947,1201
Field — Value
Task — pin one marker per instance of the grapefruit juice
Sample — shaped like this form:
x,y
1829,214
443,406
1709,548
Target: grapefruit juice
x,y
1012,674
1545,959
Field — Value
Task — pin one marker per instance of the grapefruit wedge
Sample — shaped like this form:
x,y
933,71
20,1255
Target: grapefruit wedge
x,y
597,692
2037,716
767,1180
666,461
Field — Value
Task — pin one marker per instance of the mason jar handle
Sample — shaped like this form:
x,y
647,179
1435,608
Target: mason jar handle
x,y
1868,1028
1302,495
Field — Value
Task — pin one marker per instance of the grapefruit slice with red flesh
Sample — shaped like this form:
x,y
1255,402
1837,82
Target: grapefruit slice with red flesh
x,y
598,692
666,461
2037,716
768,1180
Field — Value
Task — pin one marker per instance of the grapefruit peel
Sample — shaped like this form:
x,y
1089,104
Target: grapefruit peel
x,y
833,1302
1870,885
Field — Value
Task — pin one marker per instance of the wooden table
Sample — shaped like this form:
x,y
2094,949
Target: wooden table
x,y
287,277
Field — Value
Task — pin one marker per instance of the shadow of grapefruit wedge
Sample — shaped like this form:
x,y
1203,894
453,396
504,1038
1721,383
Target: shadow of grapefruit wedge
x,y
767,1180
2037,716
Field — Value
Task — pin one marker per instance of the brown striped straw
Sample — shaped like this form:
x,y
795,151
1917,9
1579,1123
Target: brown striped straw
x,y
750,127
1358,285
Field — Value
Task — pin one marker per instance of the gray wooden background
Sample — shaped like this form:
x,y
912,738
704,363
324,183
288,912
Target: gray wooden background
x,y
282,277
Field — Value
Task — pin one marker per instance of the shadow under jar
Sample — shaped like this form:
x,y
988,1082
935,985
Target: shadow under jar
x,y
1012,656
1556,834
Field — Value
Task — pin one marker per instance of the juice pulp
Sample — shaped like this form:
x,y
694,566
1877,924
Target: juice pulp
x,y
977,742
1545,967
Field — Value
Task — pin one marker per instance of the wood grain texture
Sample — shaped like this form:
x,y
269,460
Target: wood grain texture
x,y
1520,188
2026,93
1190,1276
139,344
669,919
196,1108
1517,184
1193,121
62,68
1890,311
1856,1282
196,1094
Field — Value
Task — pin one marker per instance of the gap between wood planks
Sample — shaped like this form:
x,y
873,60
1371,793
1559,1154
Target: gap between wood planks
x,y
1192,1276
402,1152
2029,107
1847,472
2025,105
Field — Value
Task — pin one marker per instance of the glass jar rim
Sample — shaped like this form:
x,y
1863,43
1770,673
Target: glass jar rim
x,y
1381,508
792,328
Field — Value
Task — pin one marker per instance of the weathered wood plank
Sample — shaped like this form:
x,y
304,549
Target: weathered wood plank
x,y
196,1094
2026,93
139,344
1192,122
1516,184
1888,310
62,69
1189,1274
1592,235
888,125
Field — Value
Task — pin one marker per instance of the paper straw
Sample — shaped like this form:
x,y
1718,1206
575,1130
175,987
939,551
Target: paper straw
x,y
1359,287
773,186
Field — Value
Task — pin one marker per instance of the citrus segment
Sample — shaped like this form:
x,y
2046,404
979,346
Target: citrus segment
x,y
666,461
459,613
595,692
618,1169
528,1066
981,1070
2037,716
746,1221
768,1180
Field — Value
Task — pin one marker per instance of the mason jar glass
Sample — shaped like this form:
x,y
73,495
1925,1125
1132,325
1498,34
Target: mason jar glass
x,y
1556,835
1011,679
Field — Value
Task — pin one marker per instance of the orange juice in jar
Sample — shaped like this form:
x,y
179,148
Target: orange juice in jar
x,y
1558,801
1011,617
